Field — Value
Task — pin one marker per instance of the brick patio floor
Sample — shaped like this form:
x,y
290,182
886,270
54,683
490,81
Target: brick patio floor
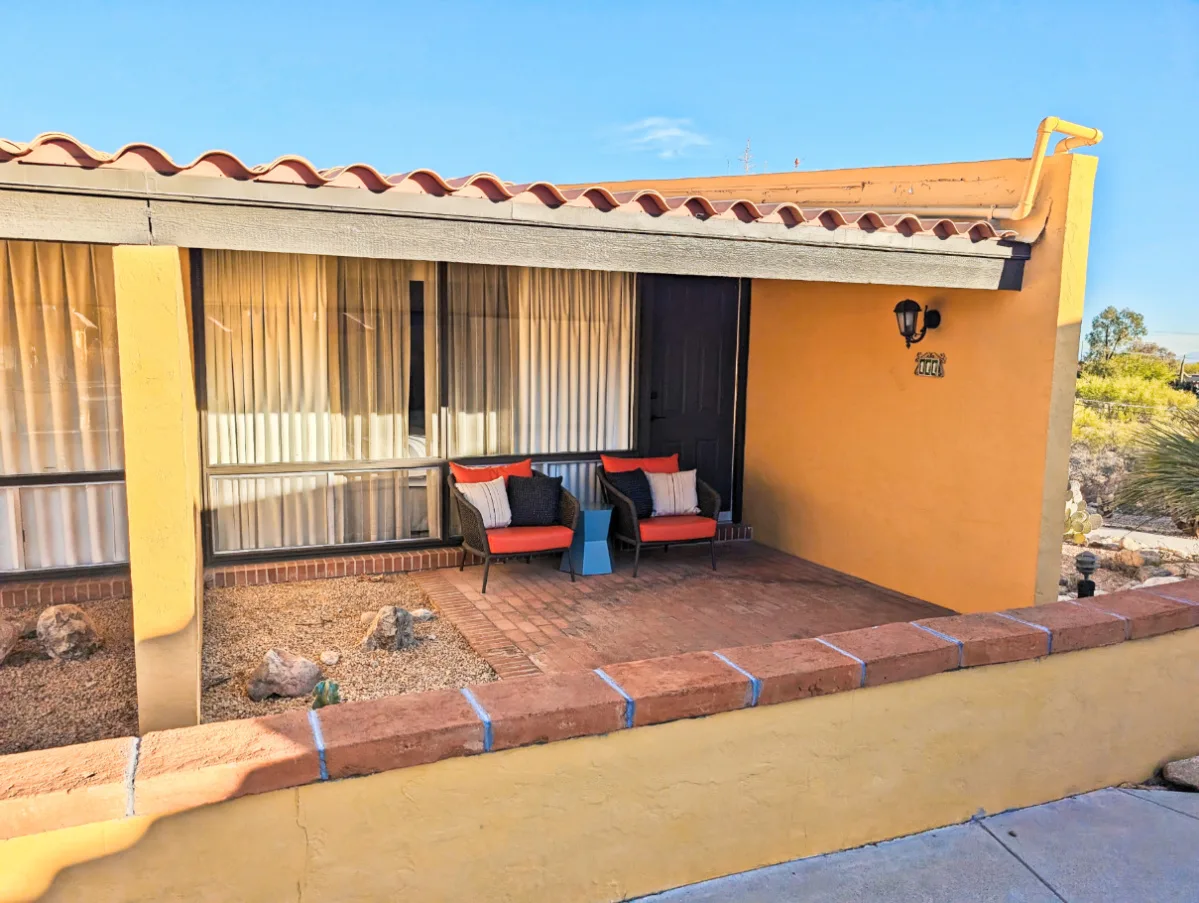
x,y
533,619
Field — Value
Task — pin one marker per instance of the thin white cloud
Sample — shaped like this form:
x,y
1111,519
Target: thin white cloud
x,y
660,135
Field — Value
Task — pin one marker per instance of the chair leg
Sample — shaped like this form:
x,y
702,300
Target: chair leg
x,y
462,563
570,561
665,549
636,558
486,568
712,547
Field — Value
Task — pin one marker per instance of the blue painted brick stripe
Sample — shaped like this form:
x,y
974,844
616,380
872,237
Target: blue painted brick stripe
x,y
1041,627
755,685
630,707
947,637
862,681
483,716
318,738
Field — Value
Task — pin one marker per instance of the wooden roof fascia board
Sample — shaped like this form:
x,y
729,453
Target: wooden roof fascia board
x,y
149,208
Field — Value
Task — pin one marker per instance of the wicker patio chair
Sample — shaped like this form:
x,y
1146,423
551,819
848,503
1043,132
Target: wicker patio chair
x,y
663,532
502,543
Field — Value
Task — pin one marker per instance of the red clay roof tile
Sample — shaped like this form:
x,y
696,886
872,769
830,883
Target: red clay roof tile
x,y
58,149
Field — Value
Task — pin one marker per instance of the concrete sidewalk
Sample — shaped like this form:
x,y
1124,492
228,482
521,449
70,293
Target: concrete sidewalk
x,y
1123,846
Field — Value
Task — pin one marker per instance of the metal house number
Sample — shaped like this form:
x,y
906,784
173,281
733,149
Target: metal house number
x,y
929,363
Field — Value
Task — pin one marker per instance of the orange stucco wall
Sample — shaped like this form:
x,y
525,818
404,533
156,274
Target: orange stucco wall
x,y
948,489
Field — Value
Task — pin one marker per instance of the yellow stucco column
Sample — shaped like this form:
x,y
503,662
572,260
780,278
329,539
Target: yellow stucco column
x,y
162,482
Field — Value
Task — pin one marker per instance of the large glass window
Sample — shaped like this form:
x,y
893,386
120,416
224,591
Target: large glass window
x,y
324,409
62,499
320,400
539,361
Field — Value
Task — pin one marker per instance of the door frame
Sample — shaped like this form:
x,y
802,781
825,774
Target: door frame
x,y
644,363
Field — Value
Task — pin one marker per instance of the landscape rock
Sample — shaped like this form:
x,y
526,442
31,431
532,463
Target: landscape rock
x,y
330,657
423,614
391,629
283,674
1160,581
1105,546
27,624
66,633
1130,544
1152,557
1126,560
1184,773
9,634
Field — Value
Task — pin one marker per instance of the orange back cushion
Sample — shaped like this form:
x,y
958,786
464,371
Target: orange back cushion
x,y
489,472
668,464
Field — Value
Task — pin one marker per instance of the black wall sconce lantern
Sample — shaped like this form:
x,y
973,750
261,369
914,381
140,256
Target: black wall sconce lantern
x,y
907,313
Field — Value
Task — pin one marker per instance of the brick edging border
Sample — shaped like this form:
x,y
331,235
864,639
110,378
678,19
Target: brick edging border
x,y
171,771
73,590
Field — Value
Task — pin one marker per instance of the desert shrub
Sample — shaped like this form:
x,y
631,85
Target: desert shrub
x,y
1165,476
1133,390
1097,430
1139,366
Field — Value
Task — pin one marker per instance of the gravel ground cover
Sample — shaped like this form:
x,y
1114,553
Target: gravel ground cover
x,y
44,703
308,618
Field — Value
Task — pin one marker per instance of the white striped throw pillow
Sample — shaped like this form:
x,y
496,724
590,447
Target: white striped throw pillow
x,y
491,499
673,493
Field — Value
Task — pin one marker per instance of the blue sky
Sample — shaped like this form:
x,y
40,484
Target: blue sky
x,y
575,92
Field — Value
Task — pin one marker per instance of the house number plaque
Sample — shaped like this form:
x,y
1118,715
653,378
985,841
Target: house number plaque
x,y
929,363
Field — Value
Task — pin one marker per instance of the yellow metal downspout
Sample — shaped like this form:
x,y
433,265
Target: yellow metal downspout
x,y
1079,136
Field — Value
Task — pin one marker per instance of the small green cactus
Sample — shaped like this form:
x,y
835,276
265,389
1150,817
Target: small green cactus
x,y
1078,521
326,692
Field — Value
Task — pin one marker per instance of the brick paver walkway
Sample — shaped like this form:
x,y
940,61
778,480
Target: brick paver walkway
x,y
533,619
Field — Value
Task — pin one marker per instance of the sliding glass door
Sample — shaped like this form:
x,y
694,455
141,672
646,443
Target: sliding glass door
x,y
62,496
320,391
336,388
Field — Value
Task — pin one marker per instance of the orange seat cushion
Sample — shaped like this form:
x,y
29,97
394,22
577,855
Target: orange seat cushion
x,y
489,472
668,464
677,528
519,540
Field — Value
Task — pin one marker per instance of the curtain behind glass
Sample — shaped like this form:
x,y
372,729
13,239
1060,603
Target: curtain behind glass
x,y
60,404
308,361
540,360
574,360
480,361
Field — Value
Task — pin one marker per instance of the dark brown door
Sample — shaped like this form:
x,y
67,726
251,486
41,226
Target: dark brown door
x,y
691,332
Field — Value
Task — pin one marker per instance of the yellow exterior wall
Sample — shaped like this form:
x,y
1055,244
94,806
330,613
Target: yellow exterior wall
x,y
162,481
609,817
948,489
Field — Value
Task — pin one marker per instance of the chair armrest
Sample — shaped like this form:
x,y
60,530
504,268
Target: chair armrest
x,y
568,510
709,500
624,512
470,519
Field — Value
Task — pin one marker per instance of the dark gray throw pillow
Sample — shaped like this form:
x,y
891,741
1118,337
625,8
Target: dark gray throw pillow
x,y
534,500
633,483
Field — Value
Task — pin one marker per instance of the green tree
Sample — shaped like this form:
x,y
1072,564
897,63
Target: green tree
x,y
1113,331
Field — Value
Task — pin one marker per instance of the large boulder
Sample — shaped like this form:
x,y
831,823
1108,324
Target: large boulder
x,y
9,634
283,674
66,633
1184,773
391,629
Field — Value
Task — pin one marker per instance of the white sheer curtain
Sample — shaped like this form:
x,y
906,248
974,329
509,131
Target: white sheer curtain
x,y
308,362
540,360
573,338
60,405
479,361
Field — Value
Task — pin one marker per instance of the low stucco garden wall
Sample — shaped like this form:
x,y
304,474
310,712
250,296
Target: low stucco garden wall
x,y
589,786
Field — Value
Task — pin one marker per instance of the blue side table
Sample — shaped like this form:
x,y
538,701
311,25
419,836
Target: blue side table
x,y
589,551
